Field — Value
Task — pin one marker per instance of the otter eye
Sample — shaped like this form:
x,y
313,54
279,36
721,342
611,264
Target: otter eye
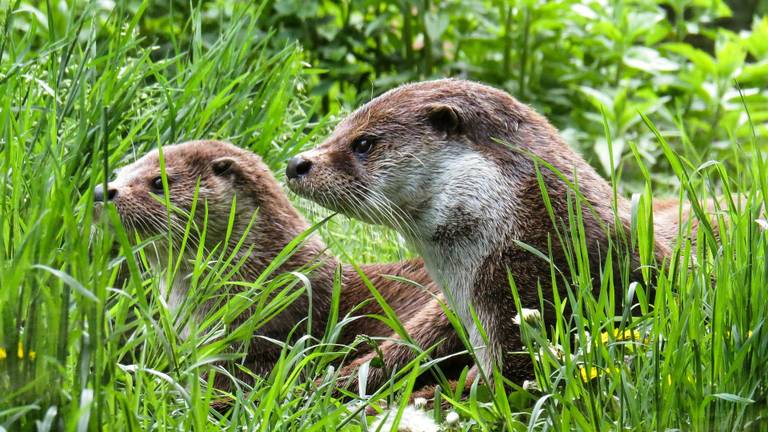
x,y
362,145
157,184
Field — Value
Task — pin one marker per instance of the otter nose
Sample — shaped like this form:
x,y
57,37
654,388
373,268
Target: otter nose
x,y
297,167
98,193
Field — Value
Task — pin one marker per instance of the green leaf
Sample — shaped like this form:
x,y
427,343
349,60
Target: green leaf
x,y
435,24
649,60
730,57
598,98
699,58
757,42
69,280
756,72
732,398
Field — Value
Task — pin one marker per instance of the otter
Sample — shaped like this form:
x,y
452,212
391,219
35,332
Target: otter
x,y
223,175
458,168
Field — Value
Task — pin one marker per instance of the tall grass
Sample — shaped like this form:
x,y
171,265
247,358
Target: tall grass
x,y
86,346
75,106
690,359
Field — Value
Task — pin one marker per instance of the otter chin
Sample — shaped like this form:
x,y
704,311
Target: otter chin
x,y
457,168
228,183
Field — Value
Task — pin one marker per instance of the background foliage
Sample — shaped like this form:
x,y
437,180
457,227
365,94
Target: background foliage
x,y
576,62
87,86
680,61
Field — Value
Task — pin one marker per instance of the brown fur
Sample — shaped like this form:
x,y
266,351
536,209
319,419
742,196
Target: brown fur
x,y
669,217
401,182
224,172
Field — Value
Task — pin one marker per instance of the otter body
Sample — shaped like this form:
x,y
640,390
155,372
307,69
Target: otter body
x,y
452,165
224,173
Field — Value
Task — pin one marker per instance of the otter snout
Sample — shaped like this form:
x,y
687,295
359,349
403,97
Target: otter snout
x,y
99,196
298,166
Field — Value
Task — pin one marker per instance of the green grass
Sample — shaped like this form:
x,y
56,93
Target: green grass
x,y
86,93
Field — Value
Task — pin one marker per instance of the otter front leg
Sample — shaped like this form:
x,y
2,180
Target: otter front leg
x,y
429,328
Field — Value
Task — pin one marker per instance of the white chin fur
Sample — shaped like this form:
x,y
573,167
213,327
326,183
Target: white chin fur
x,y
466,179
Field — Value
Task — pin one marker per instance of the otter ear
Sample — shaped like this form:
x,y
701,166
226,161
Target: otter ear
x,y
444,118
225,166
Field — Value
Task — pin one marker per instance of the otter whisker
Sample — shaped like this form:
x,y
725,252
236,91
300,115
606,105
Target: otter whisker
x,y
399,218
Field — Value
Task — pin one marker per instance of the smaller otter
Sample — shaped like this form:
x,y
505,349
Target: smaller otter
x,y
457,167
225,176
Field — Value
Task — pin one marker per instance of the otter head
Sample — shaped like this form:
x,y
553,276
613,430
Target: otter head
x,y
415,156
210,176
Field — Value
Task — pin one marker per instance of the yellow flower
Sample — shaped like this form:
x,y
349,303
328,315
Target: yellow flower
x,y
728,333
587,374
626,335
31,355
591,372
688,377
19,353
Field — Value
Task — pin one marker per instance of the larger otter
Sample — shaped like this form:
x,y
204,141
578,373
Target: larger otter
x,y
452,165
224,175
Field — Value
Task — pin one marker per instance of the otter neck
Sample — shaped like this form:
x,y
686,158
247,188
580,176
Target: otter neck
x,y
484,204
470,212
276,224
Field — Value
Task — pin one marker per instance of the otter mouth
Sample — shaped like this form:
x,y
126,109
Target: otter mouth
x,y
327,199
296,185
133,225
102,220
357,202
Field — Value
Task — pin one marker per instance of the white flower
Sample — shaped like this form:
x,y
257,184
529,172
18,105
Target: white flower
x,y
554,349
452,418
413,420
420,403
531,316
529,385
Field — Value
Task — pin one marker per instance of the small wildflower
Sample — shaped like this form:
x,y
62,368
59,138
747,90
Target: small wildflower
x,y
554,350
626,335
420,403
413,420
529,385
587,374
19,353
749,334
452,418
591,372
531,316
